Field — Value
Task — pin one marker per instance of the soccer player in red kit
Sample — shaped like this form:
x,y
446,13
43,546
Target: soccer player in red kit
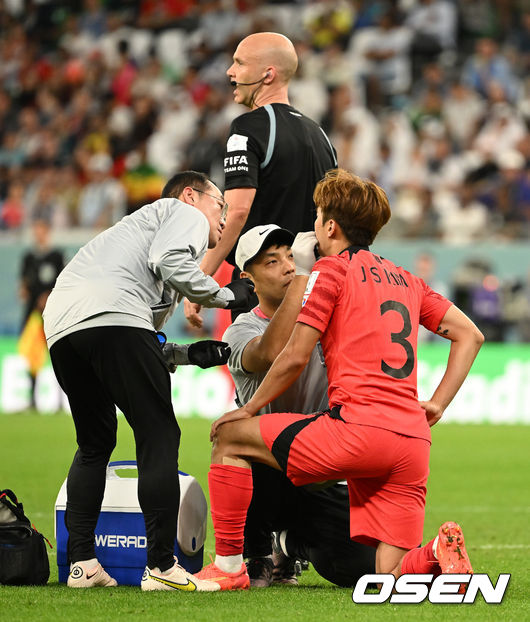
x,y
365,311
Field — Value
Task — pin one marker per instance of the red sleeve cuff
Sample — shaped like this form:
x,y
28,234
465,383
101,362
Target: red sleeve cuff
x,y
311,321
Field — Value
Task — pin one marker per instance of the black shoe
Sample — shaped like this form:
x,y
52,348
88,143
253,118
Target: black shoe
x,y
284,566
284,570
260,571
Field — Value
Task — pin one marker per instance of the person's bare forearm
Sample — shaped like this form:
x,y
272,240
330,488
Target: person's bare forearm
x,y
215,256
286,368
282,323
461,357
240,201
466,340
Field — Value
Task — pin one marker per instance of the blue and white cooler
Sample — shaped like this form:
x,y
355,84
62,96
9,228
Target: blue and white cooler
x,y
121,545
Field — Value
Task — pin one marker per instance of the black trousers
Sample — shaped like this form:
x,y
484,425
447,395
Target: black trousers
x,y
270,496
317,524
318,529
99,369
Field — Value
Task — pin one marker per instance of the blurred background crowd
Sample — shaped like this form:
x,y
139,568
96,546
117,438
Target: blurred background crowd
x,y
101,100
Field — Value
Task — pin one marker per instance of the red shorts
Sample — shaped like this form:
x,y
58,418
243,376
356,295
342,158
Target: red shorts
x,y
386,471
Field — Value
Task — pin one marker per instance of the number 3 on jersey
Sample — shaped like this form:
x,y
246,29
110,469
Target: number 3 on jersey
x,y
401,339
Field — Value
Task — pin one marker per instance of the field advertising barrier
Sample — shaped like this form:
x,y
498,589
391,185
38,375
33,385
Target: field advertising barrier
x,y
496,391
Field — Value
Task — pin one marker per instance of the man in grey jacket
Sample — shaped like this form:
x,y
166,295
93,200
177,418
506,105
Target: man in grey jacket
x,y
100,323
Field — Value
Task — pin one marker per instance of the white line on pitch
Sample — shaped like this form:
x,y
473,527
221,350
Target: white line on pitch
x,y
501,546
478,508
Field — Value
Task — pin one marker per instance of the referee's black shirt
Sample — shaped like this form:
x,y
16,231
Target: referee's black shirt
x,y
283,154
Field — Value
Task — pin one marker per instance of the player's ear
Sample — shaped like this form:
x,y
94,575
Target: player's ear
x,y
247,275
334,230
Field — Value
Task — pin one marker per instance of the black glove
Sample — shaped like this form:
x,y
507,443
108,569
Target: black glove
x,y
242,290
208,353
175,355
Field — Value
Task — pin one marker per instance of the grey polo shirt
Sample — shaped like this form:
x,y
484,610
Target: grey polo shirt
x,y
306,395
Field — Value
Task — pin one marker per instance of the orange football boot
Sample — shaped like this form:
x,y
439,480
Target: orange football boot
x,y
227,580
451,551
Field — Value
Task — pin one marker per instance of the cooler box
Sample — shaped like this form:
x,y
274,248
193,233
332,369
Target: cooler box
x,y
121,545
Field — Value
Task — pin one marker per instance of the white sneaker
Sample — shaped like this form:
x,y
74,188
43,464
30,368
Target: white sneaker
x,y
80,576
177,579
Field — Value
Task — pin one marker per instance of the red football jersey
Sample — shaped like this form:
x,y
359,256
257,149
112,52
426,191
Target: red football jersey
x,y
368,311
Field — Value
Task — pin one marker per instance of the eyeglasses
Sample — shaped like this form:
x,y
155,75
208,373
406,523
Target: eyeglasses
x,y
220,200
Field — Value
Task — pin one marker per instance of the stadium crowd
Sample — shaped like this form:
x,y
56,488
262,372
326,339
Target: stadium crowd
x,y
101,101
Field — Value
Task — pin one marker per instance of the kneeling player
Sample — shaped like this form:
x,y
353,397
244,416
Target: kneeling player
x,y
365,311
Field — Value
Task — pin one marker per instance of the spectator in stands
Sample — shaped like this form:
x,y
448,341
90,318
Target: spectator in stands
x,y
428,108
11,153
308,93
329,22
502,130
487,65
43,203
12,210
462,112
512,194
204,151
124,77
477,19
7,116
357,141
519,41
386,48
141,181
433,23
102,200
467,221
93,20
68,187
433,78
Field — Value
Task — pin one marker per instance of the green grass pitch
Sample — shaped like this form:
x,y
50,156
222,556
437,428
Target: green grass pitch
x,y
479,477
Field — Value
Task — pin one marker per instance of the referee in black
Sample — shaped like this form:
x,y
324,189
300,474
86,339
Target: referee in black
x,y
273,160
101,322
274,154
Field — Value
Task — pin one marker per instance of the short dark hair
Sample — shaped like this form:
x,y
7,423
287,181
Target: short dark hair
x,y
359,206
179,181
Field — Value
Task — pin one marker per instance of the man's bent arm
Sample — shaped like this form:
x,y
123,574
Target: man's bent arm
x,y
466,341
180,271
286,368
239,201
261,352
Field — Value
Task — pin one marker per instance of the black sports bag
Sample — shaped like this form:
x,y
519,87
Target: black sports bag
x,y
23,555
